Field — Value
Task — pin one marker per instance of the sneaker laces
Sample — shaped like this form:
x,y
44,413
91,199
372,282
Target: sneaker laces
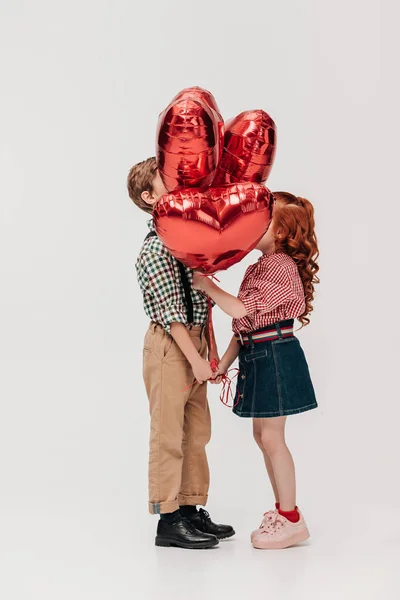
x,y
273,525
267,517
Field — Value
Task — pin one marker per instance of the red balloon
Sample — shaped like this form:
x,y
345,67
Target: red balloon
x,y
200,94
189,140
208,98
216,228
249,148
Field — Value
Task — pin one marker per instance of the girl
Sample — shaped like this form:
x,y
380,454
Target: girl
x,y
274,380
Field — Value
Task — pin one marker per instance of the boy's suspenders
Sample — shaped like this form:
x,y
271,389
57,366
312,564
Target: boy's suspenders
x,y
185,284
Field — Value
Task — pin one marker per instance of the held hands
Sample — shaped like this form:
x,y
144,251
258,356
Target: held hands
x,y
214,362
202,370
206,371
222,369
219,374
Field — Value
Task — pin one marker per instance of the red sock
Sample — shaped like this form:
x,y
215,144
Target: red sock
x,y
291,515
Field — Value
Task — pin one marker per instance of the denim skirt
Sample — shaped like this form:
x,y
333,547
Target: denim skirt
x,y
274,380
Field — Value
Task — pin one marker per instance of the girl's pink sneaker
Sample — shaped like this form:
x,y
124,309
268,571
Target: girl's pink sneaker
x,y
279,533
268,516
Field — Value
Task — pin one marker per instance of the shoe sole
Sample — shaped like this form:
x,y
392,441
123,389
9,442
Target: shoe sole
x,y
253,535
292,541
226,535
166,543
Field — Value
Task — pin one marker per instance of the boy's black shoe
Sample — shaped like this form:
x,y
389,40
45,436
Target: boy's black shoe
x,y
183,534
202,521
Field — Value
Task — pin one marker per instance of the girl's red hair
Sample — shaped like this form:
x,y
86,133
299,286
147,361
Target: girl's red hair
x,y
295,235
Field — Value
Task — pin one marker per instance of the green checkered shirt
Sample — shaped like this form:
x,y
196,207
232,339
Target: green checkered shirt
x,y
160,281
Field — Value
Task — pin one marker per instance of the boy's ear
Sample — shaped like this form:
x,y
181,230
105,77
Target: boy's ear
x,y
147,197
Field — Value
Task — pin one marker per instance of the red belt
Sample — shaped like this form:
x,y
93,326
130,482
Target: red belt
x,y
270,333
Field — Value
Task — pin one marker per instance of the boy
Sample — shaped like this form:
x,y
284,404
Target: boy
x,y
175,352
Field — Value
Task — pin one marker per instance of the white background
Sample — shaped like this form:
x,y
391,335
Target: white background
x,y
82,85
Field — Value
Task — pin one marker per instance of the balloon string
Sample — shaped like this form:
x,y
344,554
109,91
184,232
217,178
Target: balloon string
x,y
214,362
212,276
226,391
211,333
189,386
227,383
214,368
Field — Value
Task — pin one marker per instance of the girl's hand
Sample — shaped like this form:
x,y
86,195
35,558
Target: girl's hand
x,y
218,375
222,369
200,281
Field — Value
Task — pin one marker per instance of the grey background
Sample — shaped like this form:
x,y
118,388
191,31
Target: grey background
x,y
82,84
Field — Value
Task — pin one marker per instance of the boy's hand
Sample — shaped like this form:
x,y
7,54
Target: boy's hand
x,y
202,370
200,281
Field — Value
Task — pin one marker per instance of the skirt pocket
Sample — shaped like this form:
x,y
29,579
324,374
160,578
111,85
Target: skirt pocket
x,y
256,394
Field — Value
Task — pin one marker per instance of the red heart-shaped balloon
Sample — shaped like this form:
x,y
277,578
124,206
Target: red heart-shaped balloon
x,y
214,229
208,98
201,94
249,148
189,140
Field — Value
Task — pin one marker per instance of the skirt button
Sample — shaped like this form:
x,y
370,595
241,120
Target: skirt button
x,y
243,376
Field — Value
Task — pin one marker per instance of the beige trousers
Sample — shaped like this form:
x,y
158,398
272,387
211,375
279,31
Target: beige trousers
x,y
180,425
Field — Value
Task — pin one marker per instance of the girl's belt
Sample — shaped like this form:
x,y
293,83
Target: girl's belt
x,y
273,332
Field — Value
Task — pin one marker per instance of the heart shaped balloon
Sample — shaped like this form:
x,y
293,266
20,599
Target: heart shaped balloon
x,y
189,140
213,229
249,148
201,94
206,97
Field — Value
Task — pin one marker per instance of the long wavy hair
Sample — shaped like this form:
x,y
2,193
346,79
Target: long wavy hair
x,y
294,227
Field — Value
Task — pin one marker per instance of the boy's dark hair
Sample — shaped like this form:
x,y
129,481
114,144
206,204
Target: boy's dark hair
x,y
140,179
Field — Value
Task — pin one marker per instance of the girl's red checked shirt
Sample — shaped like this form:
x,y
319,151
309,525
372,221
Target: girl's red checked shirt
x,y
271,291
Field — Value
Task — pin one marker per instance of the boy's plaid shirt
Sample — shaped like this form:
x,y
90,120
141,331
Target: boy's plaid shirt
x,y
160,281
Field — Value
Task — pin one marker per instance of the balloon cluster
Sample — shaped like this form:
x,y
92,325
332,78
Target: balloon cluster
x,y
217,208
